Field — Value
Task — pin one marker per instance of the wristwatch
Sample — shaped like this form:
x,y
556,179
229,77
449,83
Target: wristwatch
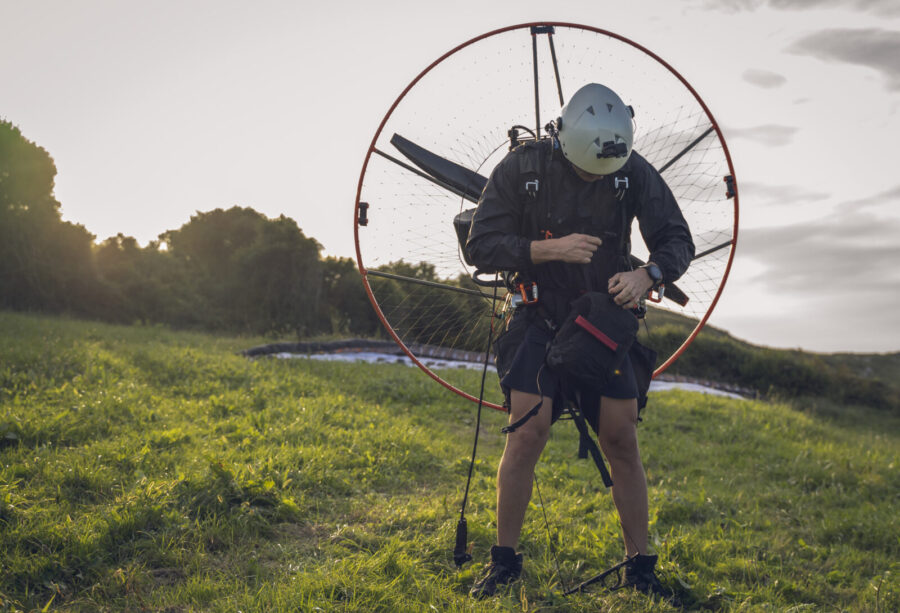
x,y
655,274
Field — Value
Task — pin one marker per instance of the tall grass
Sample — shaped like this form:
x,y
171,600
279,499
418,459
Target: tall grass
x,y
142,469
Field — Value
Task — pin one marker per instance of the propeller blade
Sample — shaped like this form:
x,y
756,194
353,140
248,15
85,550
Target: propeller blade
x,y
469,182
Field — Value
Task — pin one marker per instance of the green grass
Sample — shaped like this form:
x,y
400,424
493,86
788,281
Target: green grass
x,y
148,470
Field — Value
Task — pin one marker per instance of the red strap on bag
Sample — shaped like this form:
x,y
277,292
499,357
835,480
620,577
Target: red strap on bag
x,y
596,333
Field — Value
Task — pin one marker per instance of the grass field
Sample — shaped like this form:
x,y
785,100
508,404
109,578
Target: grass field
x,y
147,470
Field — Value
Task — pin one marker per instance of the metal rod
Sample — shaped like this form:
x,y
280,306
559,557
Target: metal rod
x,y
452,288
685,150
562,101
713,250
596,578
425,175
537,104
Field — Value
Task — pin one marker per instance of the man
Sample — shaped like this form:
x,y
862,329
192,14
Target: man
x,y
558,214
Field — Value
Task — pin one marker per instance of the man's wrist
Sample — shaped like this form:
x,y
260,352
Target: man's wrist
x,y
649,278
540,251
654,274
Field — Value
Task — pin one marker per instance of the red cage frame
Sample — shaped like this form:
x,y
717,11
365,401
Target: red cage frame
x,y
363,271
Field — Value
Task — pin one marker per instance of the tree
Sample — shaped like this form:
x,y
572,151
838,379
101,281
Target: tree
x,y
45,262
141,284
251,273
280,279
347,309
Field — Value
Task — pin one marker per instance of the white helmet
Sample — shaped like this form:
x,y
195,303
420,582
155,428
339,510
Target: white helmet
x,y
595,130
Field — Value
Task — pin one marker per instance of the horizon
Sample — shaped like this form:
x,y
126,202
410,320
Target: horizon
x,y
215,104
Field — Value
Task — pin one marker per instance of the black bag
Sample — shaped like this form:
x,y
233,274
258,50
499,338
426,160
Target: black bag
x,y
593,340
508,342
643,361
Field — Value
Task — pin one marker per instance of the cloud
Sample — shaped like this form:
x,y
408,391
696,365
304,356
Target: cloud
x,y
878,200
850,253
833,283
764,78
732,6
862,324
766,194
771,135
873,48
879,7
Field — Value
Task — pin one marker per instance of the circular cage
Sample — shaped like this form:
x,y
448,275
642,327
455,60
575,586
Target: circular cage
x,y
439,141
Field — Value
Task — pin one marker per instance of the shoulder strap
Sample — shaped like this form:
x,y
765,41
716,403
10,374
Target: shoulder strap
x,y
622,183
537,199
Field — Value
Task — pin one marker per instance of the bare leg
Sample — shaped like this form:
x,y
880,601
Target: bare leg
x,y
516,472
618,440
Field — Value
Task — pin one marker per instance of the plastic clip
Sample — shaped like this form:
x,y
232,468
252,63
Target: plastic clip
x,y
529,292
729,186
363,213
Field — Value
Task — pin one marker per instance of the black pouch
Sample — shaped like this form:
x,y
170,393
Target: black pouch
x,y
592,341
508,342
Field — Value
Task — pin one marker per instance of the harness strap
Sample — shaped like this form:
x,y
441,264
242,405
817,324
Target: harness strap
x,y
624,239
519,423
588,441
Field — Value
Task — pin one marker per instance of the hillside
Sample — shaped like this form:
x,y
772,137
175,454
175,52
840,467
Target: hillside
x,y
142,469
884,367
868,379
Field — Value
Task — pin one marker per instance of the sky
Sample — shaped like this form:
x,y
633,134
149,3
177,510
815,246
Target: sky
x,y
154,111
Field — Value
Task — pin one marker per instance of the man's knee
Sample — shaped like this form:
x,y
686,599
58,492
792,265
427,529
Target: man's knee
x,y
529,436
533,434
620,443
618,428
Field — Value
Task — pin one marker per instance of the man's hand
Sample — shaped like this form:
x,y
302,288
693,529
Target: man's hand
x,y
574,249
627,288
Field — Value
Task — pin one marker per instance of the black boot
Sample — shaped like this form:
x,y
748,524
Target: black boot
x,y
639,575
505,567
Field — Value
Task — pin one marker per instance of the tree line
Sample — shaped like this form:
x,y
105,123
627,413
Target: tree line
x,y
236,270
233,270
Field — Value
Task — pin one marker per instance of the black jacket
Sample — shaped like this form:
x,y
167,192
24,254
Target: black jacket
x,y
511,214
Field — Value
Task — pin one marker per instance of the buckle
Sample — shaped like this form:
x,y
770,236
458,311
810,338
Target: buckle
x,y
522,294
660,293
529,292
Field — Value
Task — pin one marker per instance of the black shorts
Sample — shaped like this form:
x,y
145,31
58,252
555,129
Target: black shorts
x,y
528,372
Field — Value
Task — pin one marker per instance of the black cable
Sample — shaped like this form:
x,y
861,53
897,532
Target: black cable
x,y
597,578
550,536
460,555
625,537
649,337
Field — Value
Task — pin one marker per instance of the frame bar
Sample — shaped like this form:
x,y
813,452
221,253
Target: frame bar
x,y
451,288
686,149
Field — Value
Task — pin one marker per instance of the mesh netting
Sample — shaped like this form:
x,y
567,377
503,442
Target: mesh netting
x,y
461,110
